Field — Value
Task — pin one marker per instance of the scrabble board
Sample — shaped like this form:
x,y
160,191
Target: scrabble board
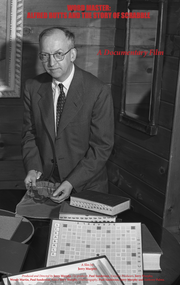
x,y
120,242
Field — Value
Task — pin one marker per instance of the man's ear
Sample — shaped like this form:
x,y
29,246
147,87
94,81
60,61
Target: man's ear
x,y
73,54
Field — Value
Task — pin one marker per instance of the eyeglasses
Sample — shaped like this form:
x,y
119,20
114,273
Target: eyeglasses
x,y
59,56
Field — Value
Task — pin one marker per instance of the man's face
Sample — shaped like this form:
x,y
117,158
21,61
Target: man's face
x,y
52,43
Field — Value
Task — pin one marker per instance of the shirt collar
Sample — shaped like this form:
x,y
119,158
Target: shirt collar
x,y
66,82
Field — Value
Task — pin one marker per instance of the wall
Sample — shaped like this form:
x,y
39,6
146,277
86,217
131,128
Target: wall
x,y
139,165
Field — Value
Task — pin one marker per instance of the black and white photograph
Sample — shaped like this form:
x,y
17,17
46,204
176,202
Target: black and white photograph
x,y
90,142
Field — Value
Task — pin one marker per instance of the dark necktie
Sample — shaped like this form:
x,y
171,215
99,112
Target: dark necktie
x,y
60,105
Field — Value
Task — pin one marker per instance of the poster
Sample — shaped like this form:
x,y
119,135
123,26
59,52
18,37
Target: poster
x,y
154,147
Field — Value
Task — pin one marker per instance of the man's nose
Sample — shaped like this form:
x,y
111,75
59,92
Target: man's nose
x,y
51,60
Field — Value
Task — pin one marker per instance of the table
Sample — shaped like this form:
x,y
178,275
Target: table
x,y
24,231
170,260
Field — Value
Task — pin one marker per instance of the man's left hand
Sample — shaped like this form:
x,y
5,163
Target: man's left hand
x,y
62,193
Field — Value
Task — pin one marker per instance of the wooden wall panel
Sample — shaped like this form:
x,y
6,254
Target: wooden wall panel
x,y
10,147
116,94
11,119
118,69
11,171
10,152
10,139
138,162
12,185
137,207
57,6
172,205
173,23
121,22
170,72
168,96
166,115
166,110
172,46
120,38
154,200
91,36
159,144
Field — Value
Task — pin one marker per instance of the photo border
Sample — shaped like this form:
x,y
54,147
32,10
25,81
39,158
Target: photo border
x,y
14,36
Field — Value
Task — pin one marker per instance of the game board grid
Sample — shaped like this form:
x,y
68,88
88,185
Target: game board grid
x,y
121,243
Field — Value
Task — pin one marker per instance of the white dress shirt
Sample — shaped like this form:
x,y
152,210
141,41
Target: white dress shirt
x,y
55,88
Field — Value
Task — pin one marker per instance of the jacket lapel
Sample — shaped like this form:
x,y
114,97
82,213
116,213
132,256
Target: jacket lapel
x,y
73,101
46,106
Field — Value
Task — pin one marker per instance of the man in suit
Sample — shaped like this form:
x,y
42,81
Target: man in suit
x,y
76,152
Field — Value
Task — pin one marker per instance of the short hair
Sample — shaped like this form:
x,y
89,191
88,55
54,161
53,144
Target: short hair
x,y
69,35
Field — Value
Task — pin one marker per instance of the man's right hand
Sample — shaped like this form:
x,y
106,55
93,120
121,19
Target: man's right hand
x,y
31,178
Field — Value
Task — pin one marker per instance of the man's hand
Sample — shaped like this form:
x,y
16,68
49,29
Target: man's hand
x,y
31,178
62,193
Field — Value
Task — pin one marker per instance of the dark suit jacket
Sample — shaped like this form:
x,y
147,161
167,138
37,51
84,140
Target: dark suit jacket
x,y
85,136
